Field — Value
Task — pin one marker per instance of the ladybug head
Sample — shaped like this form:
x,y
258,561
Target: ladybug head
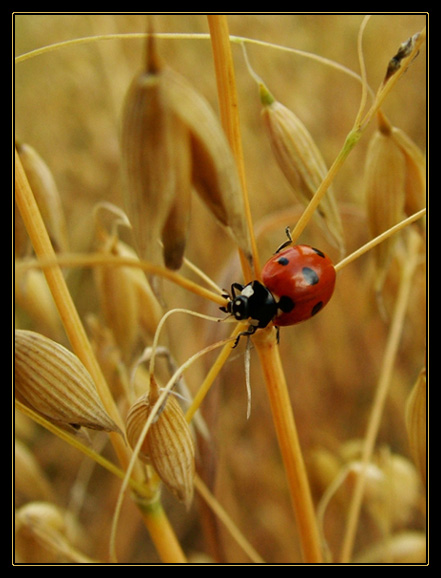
x,y
237,305
240,307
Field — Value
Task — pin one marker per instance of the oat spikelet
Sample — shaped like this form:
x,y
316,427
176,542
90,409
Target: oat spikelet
x,y
394,184
52,381
168,445
45,533
416,423
214,172
46,195
149,149
172,142
300,161
126,298
415,162
32,295
175,229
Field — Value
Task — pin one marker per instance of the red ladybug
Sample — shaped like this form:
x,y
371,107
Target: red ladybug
x,y
298,281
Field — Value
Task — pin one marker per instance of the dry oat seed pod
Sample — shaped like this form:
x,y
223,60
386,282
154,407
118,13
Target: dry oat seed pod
x,y
52,381
126,297
384,189
172,142
117,299
33,296
45,533
300,161
168,445
46,195
175,230
150,147
416,416
30,481
415,181
214,171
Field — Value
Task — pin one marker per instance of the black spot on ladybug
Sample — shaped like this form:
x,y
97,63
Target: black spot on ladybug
x,y
286,304
316,308
283,261
310,276
319,253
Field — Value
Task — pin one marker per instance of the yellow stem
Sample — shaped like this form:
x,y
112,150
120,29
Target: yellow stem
x,y
289,445
310,209
223,516
162,534
105,259
379,239
229,112
211,375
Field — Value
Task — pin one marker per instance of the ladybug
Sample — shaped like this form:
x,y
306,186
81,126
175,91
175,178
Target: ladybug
x,y
298,282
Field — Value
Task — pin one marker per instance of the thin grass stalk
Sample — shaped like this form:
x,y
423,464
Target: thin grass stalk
x,y
268,352
212,374
384,380
379,239
170,549
77,444
108,260
223,516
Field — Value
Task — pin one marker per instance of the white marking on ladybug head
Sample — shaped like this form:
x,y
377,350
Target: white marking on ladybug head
x,y
247,291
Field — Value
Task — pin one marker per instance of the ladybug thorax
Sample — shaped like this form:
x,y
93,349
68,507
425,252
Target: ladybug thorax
x,y
256,303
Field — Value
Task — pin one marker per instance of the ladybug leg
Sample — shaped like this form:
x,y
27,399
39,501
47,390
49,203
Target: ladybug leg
x,y
234,287
286,243
251,329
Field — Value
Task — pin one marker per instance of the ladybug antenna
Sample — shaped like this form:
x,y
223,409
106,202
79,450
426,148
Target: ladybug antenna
x,y
286,243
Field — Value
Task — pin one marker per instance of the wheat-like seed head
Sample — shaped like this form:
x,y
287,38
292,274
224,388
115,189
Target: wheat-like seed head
x,y
301,161
168,445
52,381
172,142
394,185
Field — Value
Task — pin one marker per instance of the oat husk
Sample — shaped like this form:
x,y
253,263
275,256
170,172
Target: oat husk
x,y
172,143
168,445
301,162
52,381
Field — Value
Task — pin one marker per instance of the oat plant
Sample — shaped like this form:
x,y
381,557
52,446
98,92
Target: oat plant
x,y
142,435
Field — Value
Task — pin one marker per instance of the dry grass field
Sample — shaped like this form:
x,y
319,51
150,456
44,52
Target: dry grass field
x,y
348,372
